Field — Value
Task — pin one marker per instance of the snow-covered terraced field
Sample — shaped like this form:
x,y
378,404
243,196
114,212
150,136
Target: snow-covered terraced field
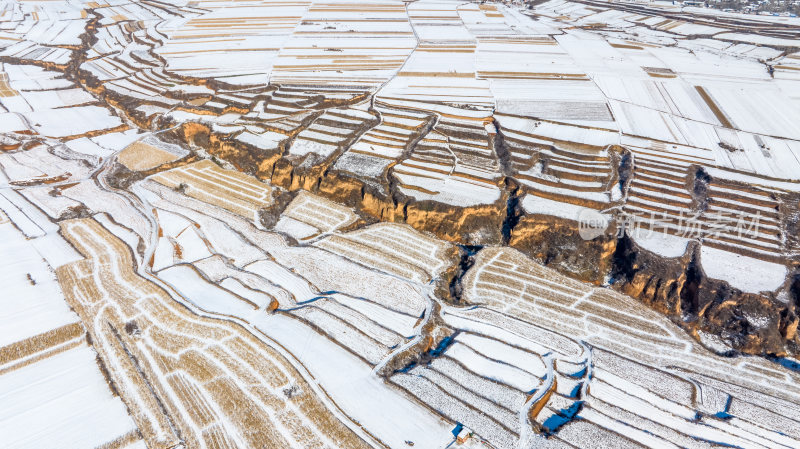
x,y
632,362
329,134
188,377
358,44
245,40
452,164
378,148
309,216
229,189
363,224
393,248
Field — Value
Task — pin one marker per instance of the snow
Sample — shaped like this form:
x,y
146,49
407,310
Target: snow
x,y
218,233
504,353
39,100
511,331
126,235
99,200
400,323
235,286
242,43
286,279
11,122
116,141
483,366
450,190
640,436
745,273
302,147
758,39
87,146
171,223
52,205
296,229
390,416
666,245
321,48
192,246
713,342
557,132
29,77
309,215
24,216
55,250
184,116
750,179
163,255
71,121
266,141
342,332
208,297
329,272
62,401
533,204
367,399
643,403
615,385
757,107
27,309
451,401
498,393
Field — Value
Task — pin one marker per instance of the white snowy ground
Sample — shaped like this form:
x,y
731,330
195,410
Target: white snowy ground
x,y
61,401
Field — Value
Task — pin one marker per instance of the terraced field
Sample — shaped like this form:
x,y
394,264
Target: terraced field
x,y
186,377
229,189
384,224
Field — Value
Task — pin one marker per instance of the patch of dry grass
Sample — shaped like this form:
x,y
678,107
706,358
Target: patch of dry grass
x,y
140,156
